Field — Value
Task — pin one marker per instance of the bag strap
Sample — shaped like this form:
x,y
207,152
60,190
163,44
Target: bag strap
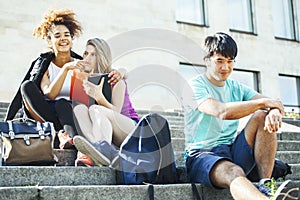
x,y
26,137
196,194
159,147
11,132
150,190
1,150
40,129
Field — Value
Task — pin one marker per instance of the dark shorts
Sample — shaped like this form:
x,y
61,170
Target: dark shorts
x,y
200,163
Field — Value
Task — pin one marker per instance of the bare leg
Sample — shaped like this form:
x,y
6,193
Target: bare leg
x,y
102,128
228,175
263,143
82,115
121,124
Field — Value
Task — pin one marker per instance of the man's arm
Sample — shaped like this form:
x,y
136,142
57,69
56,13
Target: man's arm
x,y
237,110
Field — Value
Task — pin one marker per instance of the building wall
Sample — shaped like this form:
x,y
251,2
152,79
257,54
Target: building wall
x,y
146,39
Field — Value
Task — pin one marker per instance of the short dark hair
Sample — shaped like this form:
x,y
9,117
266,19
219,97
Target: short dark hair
x,y
220,43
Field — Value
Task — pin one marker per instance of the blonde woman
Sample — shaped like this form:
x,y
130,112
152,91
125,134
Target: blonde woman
x,y
106,124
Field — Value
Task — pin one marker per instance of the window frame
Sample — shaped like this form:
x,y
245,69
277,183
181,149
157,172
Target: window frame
x,y
204,13
255,77
294,22
253,21
256,74
297,88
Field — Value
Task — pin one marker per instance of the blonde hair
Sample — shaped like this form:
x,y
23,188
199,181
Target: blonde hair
x,y
58,17
103,55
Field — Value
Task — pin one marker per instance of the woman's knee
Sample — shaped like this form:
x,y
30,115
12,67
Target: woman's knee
x,y
62,104
80,108
99,109
28,88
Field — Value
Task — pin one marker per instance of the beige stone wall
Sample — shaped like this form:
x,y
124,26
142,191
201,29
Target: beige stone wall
x,y
118,21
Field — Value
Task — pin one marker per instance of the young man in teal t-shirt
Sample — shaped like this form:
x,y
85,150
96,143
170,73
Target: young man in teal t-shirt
x,y
216,155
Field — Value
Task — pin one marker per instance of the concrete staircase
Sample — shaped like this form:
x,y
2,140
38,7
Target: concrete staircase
x,y
68,182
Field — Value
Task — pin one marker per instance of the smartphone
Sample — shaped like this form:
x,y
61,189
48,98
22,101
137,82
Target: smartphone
x,y
106,90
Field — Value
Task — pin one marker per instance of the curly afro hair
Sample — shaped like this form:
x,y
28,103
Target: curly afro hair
x,y
58,17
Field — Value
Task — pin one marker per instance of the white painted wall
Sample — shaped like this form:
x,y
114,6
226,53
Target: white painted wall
x,y
146,39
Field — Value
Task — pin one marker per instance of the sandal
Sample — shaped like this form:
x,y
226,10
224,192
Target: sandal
x,y
83,160
65,141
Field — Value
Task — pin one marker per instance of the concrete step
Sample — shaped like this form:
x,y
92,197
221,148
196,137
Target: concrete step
x,y
50,175
295,122
289,136
290,157
285,135
93,192
65,157
285,156
175,113
128,192
295,172
287,151
283,145
177,133
288,145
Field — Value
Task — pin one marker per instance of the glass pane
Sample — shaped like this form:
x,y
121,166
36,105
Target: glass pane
x,y
283,19
191,11
240,15
190,71
288,90
246,78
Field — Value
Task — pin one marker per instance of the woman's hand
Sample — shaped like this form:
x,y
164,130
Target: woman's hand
x,y
94,91
82,65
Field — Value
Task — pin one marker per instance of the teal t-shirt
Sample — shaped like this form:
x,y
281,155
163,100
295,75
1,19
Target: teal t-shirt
x,y
202,131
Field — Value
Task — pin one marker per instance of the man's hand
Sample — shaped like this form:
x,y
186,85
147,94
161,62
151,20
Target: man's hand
x,y
274,103
273,121
114,77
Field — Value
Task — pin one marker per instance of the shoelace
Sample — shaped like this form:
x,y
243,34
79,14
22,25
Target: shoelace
x,y
269,188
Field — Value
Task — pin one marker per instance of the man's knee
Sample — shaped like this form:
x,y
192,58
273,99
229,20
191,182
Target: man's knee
x,y
259,116
224,172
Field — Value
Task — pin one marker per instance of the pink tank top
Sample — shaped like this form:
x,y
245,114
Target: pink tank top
x,y
127,108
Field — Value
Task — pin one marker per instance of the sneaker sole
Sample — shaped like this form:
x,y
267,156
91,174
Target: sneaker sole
x,y
286,191
85,147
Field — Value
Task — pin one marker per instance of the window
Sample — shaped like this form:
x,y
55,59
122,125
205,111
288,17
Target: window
x,y
191,11
240,15
289,92
188,71
284,19
249,78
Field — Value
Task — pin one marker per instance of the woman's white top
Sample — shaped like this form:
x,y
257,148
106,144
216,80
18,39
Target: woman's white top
x,y
65,90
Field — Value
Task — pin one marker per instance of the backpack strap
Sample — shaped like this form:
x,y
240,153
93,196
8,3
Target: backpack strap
x,y
151,192
159,147
196,194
